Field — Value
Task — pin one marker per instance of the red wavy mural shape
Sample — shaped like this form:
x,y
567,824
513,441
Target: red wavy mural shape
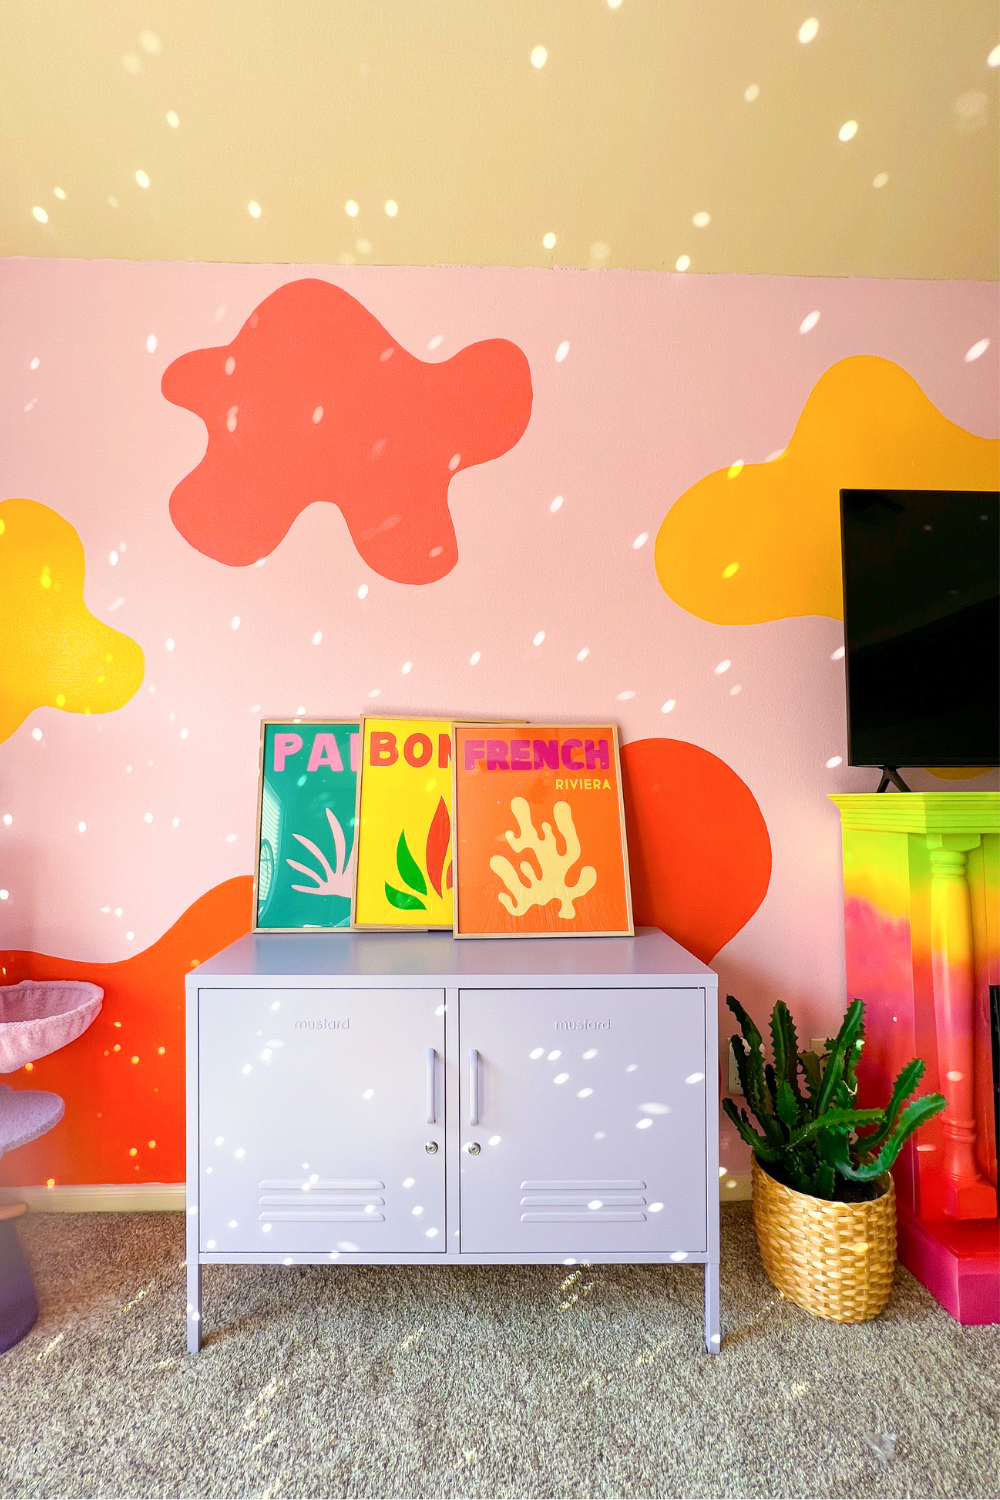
x,y
315,401
698,848
123,1080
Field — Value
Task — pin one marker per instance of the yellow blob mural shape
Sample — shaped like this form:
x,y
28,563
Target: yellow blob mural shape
x,y
759,542
53,652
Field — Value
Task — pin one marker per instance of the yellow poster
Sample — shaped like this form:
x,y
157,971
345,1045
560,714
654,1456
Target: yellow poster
x,y
404,865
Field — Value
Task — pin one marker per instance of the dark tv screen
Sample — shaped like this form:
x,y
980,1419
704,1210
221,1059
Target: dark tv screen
x,y
922,626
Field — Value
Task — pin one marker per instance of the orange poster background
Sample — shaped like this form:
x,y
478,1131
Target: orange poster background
x,y
483,816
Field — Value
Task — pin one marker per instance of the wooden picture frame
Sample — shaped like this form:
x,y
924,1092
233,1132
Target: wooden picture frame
x,y
319,793
493,817
403,817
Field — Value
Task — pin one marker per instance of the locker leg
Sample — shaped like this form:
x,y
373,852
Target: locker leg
x,y
193,1304
713,1329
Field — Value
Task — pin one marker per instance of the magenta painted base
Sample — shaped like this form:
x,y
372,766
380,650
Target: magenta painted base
x,y
958,1262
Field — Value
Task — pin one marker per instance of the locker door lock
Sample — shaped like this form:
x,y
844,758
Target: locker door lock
x,y
473,1148
431,1148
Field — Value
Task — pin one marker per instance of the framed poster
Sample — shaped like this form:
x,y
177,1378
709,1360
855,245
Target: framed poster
x,y
306,810
540,832
404,868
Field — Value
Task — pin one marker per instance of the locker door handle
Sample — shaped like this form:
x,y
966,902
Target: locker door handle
x,y
473,1087
431,1086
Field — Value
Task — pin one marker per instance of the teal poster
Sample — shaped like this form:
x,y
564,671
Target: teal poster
x,y
306,838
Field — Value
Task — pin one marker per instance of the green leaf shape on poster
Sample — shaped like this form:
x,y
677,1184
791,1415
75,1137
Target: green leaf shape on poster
x,y
402,899
409,869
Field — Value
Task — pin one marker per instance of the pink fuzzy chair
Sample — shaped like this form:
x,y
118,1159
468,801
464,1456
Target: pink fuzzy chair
x,y
40,1016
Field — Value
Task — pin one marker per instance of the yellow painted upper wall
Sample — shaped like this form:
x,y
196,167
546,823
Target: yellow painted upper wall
x,y
642,116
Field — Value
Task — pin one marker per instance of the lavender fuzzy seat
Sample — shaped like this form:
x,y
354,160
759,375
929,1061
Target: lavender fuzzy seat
x,y
40,1016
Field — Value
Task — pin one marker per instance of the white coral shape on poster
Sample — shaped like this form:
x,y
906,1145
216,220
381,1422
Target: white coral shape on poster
x,y
551,885
338,882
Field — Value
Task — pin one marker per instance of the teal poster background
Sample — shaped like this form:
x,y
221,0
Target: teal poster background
x,y
306,838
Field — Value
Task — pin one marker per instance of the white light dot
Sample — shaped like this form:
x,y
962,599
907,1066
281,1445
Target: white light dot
x,y
584,1093
118,911
562,351
234,623
809,322
431,1234
142,178
185,733
591,1052
834,761
737,688
148,818
363,591
954,1076
538,638
113,559
375,693
626,695
631,1067
556,504
60,194
695,1078
253,209
173,119
808,29
4,895
8,819
230,365
40,215
363,247
682,262
977,351
318,415
669,706
232,417
351,209
176,823
582,654
722,667
641,540
848,130
34,363
560,1078
475,658
317,637
752,93
701,219
407,667
391,207
549,240
536,1054
81,827
993,61
643,1124
596,1203
454,461
539,57
554,1056
838,654
151,343
112,202
436,341
36,734
150,42
129,937
880,179
417,1210
230,838
614,4
169,643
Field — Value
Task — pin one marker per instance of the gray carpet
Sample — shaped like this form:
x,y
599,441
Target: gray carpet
x,y
497,1381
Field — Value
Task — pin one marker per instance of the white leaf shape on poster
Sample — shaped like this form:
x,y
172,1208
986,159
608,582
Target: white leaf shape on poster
x,y
338,882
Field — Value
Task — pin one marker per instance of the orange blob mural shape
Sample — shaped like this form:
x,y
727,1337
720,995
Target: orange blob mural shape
x,y
123,1080
53,652
758,542
698,848
315,401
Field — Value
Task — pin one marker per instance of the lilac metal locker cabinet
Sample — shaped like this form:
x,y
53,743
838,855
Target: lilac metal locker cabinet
x,y
387,1098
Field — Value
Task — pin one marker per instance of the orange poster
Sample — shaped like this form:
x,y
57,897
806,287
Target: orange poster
x,y
539,832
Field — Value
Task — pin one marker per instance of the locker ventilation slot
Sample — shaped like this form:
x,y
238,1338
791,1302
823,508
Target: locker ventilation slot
x,y
323,1201
576,1201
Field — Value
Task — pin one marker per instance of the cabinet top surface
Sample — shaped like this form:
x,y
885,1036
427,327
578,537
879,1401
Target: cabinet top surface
x,y
395,955
920,812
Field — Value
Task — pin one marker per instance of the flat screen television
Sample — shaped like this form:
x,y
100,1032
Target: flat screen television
x,y
922,626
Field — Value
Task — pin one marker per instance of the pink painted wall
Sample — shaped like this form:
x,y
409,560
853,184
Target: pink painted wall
x,y
666,379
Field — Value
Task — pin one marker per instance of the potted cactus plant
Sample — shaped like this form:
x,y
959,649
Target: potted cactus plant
x,y
823,1198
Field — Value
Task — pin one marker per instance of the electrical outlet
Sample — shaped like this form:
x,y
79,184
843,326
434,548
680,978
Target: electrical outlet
x,y
734,1077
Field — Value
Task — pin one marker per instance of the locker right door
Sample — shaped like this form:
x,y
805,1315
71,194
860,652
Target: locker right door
x,y
583,1121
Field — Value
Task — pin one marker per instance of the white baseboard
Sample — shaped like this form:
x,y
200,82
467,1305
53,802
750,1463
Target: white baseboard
x,y
162,1197
99,1198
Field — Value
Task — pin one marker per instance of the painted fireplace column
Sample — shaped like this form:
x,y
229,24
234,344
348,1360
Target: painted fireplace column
x,y
967,1194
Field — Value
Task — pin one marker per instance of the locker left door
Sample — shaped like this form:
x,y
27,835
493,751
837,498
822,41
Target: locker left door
x,y
321,1120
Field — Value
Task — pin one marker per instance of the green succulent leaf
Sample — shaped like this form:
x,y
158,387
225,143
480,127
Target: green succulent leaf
x,y
915,1115
747,1026
904,1086
833,1075
824,1181
787,1105
402,899
756,1142
811,1068
838,1120
408,868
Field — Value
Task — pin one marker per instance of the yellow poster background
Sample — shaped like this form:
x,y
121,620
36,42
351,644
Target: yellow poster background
x,y
404,866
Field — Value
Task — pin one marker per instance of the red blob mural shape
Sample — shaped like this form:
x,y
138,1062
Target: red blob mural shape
x,y
699,853
314,400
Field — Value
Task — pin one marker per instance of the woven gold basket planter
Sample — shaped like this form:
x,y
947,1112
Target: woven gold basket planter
x,y
834,1259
